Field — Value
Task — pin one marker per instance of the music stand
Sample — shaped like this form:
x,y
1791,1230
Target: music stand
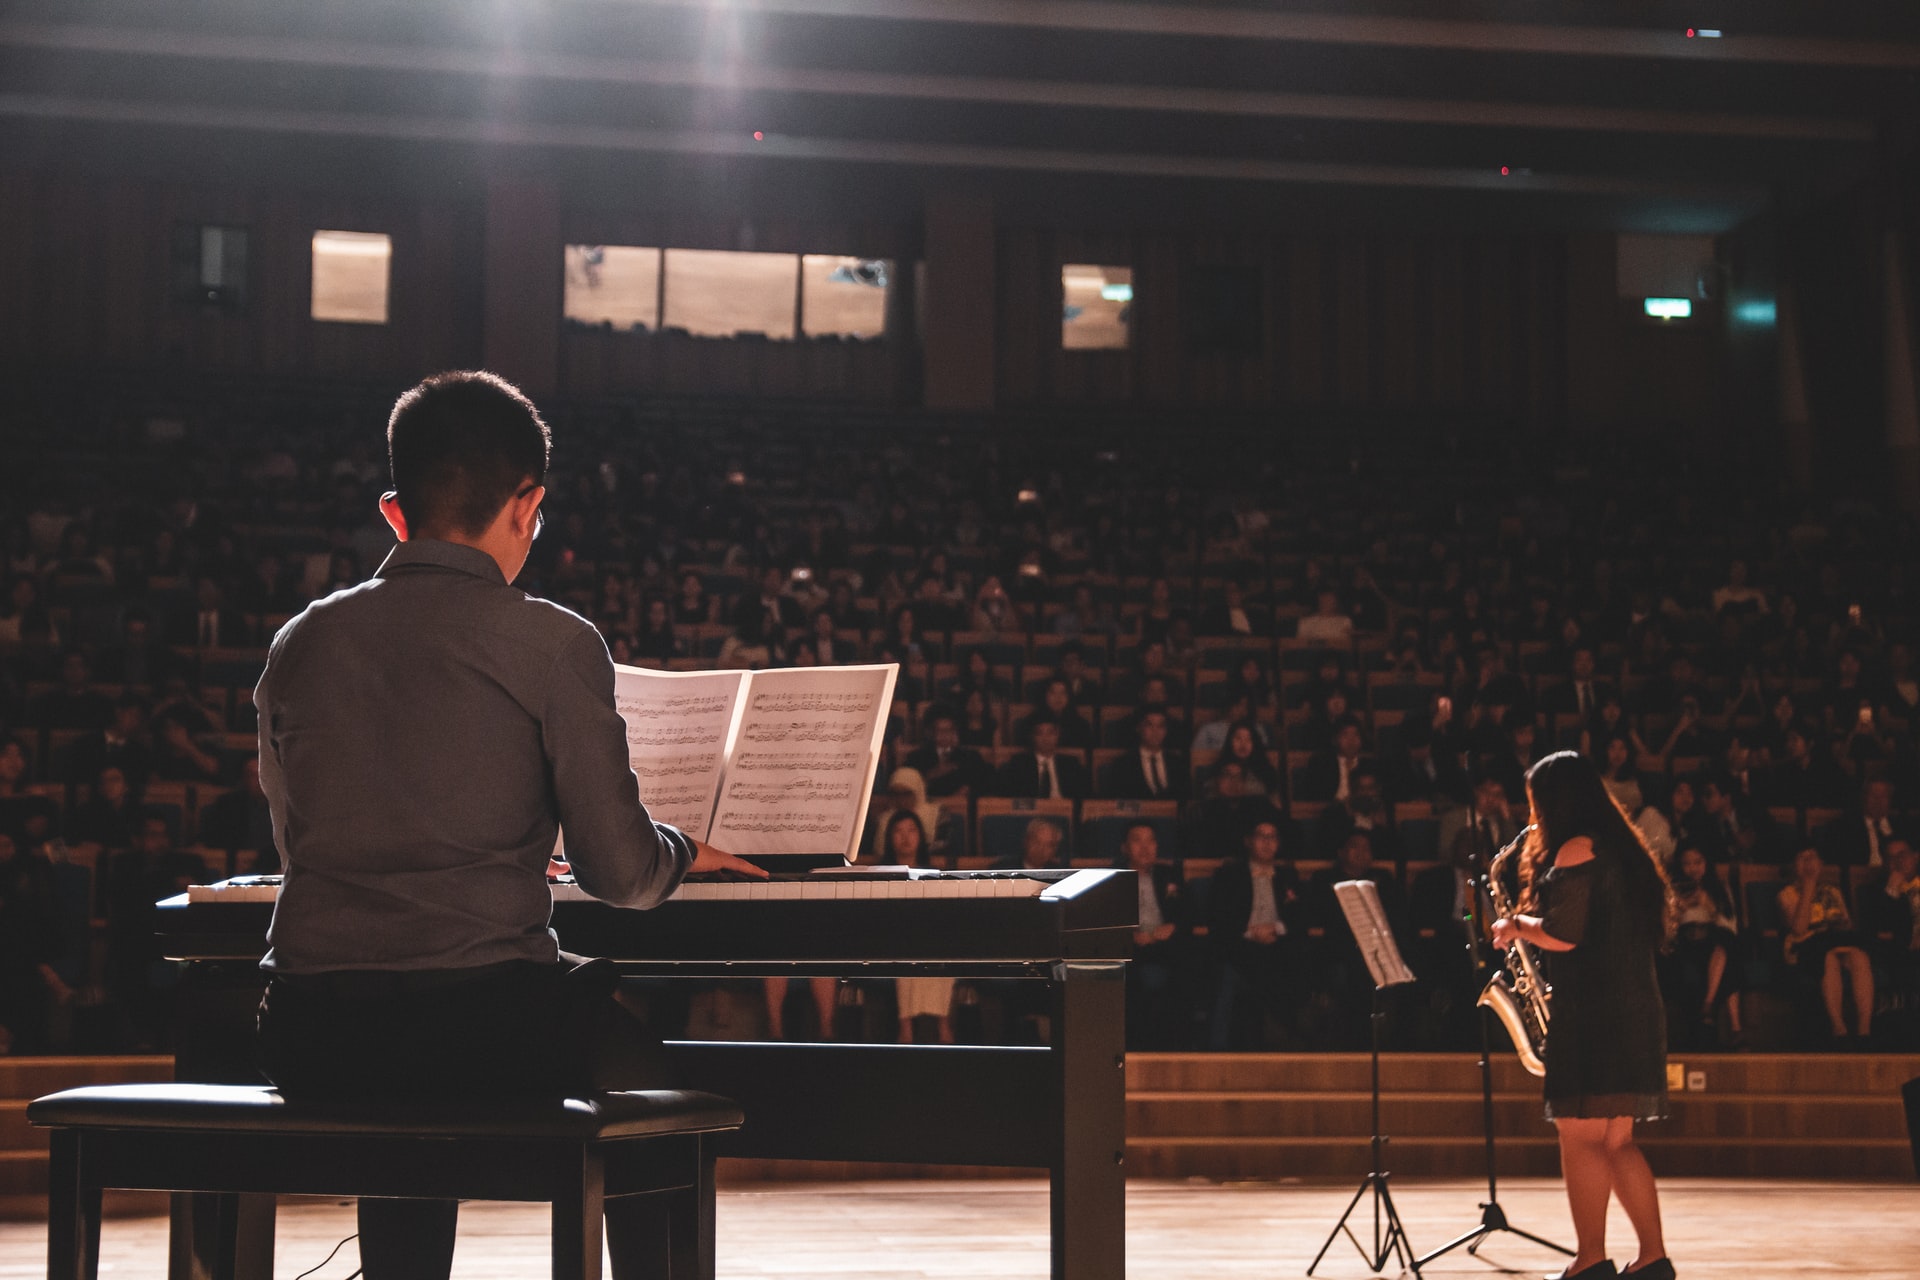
x,y
1360,902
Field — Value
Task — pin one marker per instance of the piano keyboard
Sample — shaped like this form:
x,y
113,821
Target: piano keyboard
x,y
827,887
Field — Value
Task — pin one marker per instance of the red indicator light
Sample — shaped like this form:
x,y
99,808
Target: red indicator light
x,y
1504,171
759,136
1691,33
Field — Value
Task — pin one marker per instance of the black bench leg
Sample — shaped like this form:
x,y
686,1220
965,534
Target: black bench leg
x,y
579,1208
691,1221
73,1211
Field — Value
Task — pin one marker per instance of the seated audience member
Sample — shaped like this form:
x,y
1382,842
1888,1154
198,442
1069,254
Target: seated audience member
x,y
905,845
1153,665
1363,809
979,722
906,792
1890,914
902,641
1229,615
1255,923
1043,770
1582,695
1516,755
124,743
1474,835
1328,775
1229,808
1804,778
655,640
692,606
948,767
31,940
1616,774
1159,977
1858,837
1723,829
139,659
976,672
208,623
1057,704
1212,736
1419,771
1151,770
1447,916
994,610
1327,624
1823,944
1345,974
1244,749
1706,938
1156,620
75,703
239,822
109,818
1042,845
150,870
1083,617
1083,685
1249,680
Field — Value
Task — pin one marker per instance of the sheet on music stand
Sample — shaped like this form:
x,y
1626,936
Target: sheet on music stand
x,y
1360,900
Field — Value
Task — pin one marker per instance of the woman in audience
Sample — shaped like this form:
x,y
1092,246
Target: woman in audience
x,y
655,640
1250,680
980,722
1822,942
902,641
692,607
905,843
1705,936
1617,774
1256,776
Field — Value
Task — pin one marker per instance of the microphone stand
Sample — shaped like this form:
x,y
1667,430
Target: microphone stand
x,y
1492,1217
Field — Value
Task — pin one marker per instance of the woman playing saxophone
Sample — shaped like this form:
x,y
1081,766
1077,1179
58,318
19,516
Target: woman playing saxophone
x,y
1596,903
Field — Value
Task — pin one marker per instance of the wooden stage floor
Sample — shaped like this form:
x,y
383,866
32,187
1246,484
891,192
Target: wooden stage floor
x,y
1717,1230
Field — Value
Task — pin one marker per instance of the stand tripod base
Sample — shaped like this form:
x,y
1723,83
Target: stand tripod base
x,y
1492,1218
1389,1235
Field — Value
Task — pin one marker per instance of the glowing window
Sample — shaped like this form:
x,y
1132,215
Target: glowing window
x,y
1098,307
718,294
613,284
844,297
350,273
1669,308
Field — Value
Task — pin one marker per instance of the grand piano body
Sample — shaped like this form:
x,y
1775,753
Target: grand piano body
x,y
1058,1106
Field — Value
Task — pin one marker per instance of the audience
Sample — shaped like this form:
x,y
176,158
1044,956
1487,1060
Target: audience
x,y
1363,644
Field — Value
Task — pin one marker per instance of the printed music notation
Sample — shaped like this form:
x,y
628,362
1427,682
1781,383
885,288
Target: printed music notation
x,y
797,750
809,798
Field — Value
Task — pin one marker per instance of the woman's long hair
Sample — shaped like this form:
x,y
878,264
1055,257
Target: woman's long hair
x,y
1569,799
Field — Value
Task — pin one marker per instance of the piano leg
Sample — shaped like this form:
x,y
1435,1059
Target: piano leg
x,y
1089,1177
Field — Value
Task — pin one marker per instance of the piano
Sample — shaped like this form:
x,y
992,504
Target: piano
x,y
1058,1106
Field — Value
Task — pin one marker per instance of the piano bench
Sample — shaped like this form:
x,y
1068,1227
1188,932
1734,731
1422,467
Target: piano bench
x,y
230,1149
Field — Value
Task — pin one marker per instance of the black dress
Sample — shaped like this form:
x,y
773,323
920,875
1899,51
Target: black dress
x,y
1607,1030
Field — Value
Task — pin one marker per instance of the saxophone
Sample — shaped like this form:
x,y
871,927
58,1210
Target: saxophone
x,y
1517,995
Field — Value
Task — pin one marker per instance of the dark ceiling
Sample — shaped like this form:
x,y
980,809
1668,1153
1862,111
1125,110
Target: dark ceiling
x,y
1602,114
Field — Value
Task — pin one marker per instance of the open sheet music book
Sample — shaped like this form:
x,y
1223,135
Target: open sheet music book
x,y
759,762
1360,900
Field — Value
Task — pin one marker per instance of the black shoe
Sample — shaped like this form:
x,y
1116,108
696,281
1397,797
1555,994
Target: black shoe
x,y
1658,1269
1601,1270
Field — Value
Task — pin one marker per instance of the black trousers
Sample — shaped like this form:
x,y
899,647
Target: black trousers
x,y
507,1030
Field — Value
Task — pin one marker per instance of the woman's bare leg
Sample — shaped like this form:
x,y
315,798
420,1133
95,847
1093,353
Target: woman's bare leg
x,y
1832,992
1634,1186
1860,969
1587,1167
825,992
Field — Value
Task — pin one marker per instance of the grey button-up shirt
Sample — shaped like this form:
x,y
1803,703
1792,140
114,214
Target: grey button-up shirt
x,y
421,737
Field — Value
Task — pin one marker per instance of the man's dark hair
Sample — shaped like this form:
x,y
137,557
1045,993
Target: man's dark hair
x,y
1039,718
460,444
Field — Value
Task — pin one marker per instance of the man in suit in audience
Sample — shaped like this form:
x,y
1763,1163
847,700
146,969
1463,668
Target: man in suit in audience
x,y
1328,774
1153,664
1230,616
1042,770
1363,809
1160,975
139,659
1256,924
1859,837
124,744
1582,695
948,767
1151,770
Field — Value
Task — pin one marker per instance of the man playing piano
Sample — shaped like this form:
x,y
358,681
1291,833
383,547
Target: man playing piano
x,y
422,737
